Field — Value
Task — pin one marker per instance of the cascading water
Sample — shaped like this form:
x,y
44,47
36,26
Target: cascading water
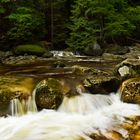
x,y
19,108
77,118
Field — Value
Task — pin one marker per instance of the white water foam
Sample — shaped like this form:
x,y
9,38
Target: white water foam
x,y
76,119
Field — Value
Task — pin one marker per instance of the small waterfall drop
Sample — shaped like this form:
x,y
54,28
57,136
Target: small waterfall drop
x,y
85,103
19,108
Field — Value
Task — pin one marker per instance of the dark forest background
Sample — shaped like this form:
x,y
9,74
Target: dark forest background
x,y
71,24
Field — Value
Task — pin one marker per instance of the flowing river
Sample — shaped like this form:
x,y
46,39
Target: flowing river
x,y
77,118
81,117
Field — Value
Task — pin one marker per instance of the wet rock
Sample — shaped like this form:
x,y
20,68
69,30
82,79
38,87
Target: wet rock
x,y
22,60
4,55
47,54
101,83
79,70
19,60
98,137
109,56
134,52
49,94
94,50
108,135
130,91
133,127
117,49
59,64
129,68
12,87
9,53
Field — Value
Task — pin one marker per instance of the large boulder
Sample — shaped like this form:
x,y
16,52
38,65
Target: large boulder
x,y
49,93
101,83
116,49
94,50
30,49
130,90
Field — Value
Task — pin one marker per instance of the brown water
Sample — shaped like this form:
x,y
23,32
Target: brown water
x,y
46,68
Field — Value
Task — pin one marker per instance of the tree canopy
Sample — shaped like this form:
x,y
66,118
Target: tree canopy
x,y
73,24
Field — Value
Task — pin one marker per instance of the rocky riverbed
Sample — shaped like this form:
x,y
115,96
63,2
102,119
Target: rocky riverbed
x,y
19,75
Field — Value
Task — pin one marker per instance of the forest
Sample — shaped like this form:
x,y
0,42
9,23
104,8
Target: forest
x,y
69,24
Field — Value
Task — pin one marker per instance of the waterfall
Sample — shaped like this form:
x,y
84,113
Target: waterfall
x,y
76,119
24,106
85,103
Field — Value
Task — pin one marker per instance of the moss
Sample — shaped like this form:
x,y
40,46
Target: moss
x,y
30,49
5,96
54,84
14,87
82,70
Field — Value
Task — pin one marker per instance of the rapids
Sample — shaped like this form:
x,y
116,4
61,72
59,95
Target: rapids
x,y
76,119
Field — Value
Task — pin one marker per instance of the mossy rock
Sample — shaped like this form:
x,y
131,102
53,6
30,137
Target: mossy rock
x,y
116,49
12,87
49,94
79,70
109,56
130,90
30,49
58,64
101,83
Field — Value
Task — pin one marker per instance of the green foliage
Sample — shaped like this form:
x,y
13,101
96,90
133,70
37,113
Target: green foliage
x,y
30,49
117,27
2,10
25,24
101,21
133,14
21,22
82,30
76,23
4,1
